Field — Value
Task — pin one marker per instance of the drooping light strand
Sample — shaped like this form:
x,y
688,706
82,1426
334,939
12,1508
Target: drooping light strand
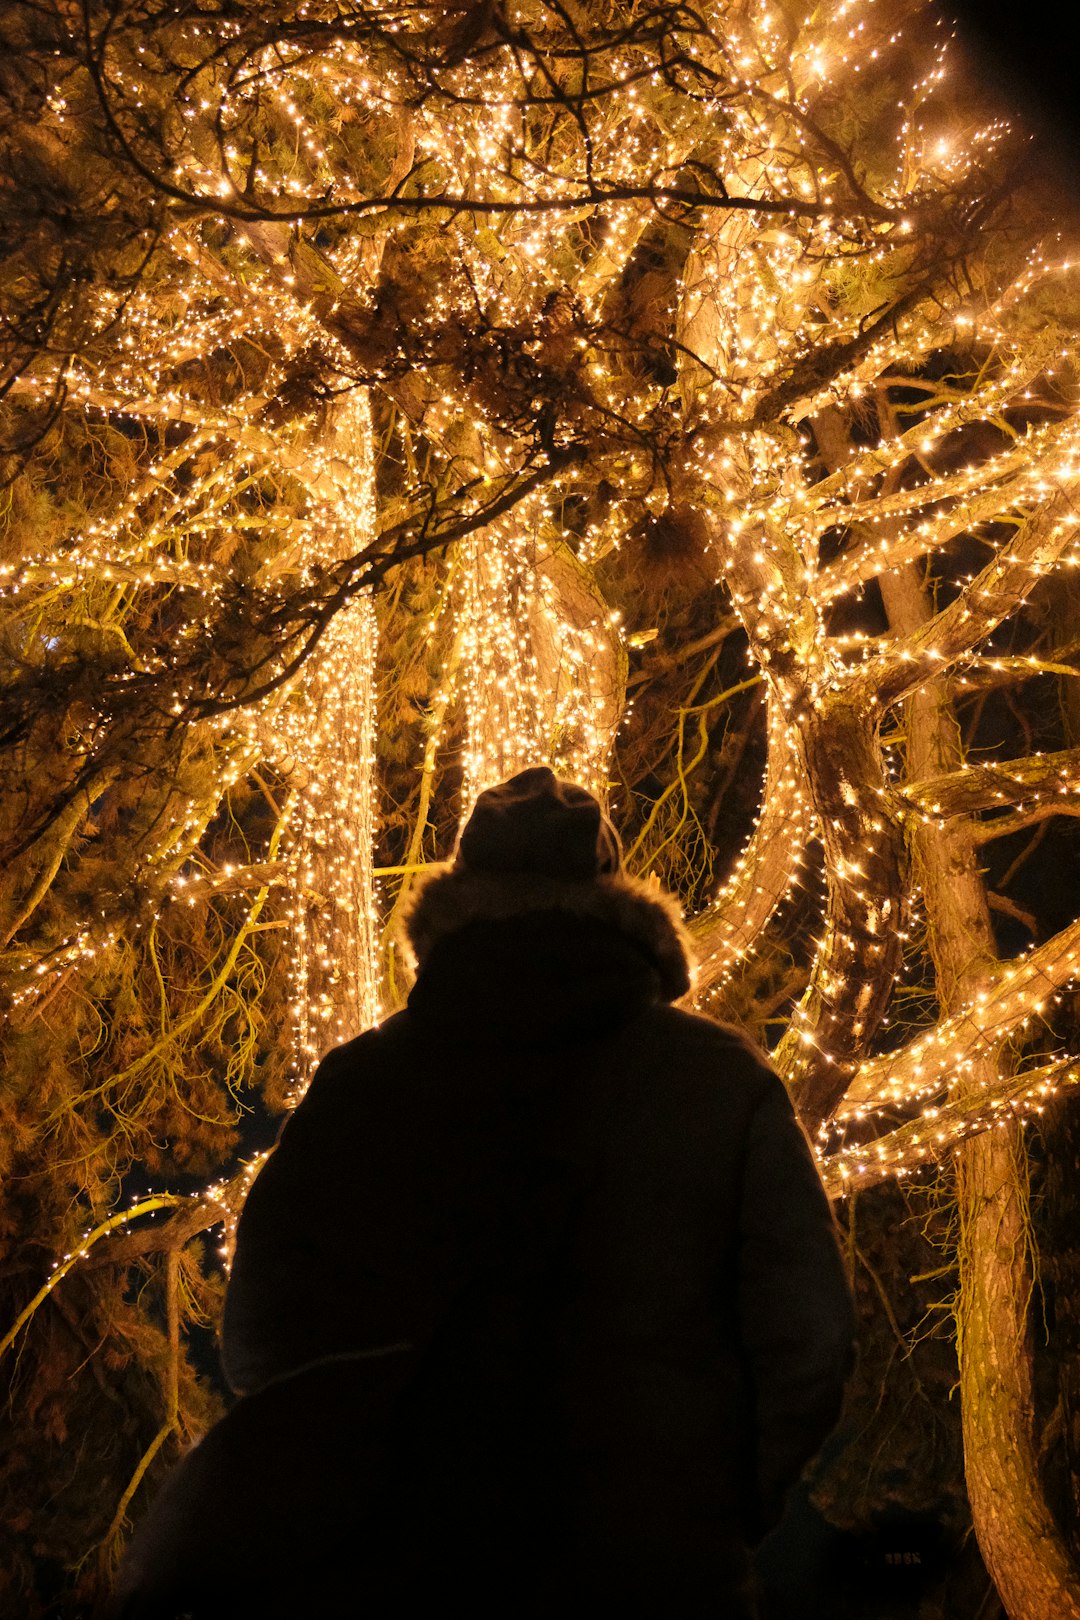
x,y
327,734
540,660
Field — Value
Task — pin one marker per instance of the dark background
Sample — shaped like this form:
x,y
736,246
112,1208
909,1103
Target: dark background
x,y
1026,55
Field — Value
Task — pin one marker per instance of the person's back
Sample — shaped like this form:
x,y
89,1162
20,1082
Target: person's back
x,y
572,1234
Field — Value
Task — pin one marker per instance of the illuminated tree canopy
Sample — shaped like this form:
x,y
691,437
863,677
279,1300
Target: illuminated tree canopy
x,y
394,396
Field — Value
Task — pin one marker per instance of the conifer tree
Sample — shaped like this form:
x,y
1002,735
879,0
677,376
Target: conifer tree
x,y
394,396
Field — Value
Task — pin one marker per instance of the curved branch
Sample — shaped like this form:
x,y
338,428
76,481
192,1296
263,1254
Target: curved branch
x,y
113,1224
765,870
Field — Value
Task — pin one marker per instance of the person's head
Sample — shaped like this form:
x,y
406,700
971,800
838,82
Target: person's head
x,y
538,824
537,845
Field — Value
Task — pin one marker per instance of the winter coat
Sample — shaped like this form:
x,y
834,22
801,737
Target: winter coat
x,y
539,1290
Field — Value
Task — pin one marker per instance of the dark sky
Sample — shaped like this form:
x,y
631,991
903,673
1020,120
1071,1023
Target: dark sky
x,y
1027,53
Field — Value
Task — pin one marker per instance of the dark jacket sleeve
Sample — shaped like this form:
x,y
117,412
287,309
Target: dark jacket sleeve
x,y
797,1320
294,1292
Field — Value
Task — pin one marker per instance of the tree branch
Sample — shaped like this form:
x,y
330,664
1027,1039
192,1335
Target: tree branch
x,y
1015,993
995,593
854,1167
990,784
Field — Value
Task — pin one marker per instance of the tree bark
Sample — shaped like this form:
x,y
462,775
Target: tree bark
x,y
1019,1540
1062,1134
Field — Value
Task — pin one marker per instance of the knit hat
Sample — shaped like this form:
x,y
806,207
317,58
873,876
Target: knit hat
x,y
540,824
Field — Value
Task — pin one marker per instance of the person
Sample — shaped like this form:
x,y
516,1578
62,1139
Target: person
x,y
538,1304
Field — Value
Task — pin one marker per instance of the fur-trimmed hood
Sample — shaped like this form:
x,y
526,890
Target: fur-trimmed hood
x,y
642,914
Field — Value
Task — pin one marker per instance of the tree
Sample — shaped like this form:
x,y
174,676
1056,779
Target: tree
x,y
509,362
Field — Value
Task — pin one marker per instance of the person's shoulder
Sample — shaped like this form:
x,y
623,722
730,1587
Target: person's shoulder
x,y
380,1036
363,1056
678,1023
718,1049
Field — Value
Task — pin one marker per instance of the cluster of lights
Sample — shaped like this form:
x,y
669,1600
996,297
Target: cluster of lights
x,y
326,735
538,682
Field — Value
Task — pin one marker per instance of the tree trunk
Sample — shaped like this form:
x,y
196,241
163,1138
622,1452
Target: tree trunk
x,y
1020,1543
1019,1540
1062,1224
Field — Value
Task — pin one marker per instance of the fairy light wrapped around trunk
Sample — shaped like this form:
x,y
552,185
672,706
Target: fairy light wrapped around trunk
x,y
542,671
328,729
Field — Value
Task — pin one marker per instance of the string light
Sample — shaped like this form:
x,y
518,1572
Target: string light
x,y
327,733
538,681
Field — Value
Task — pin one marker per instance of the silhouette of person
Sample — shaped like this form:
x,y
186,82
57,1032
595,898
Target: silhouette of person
x,y
537,1305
